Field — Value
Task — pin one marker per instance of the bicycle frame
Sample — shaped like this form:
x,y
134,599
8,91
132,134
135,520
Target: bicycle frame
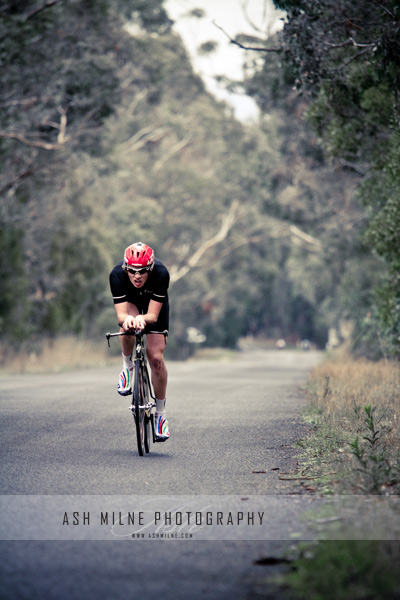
x,y
143,399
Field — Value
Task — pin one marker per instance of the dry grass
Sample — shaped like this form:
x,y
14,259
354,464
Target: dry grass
x,y
56,355
354,410
343,383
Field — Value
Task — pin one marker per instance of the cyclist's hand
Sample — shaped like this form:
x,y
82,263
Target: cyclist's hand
x,y
129,323
140,323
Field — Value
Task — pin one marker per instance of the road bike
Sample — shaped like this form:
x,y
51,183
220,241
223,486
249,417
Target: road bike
x,y
143,399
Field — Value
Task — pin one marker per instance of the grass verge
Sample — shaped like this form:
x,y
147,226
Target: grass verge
x,y
353,448
354,444
345,570
60,354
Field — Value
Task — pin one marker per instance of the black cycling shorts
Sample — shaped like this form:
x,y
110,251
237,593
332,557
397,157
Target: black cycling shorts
x,y
162,323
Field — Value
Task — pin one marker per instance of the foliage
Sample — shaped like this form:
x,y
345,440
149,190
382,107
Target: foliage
x,y
346,56
305,188
64,74
380,192
358,447
346,569
353,409
116,139
373,463
107,135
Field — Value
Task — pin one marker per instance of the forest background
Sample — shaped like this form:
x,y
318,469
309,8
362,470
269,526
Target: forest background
x,y
286,228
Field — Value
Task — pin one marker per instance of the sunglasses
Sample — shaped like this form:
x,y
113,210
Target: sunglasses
x,y
137,271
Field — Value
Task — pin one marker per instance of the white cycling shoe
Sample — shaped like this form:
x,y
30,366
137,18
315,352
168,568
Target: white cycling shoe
x,y
125,382
161,429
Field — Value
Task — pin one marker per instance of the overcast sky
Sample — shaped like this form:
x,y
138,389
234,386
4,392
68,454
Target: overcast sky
x,y
227,60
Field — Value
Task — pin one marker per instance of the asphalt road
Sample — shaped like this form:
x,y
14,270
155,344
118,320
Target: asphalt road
x,y
232,426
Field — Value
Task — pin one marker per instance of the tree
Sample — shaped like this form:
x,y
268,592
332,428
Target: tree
x,y
109,137
346,57
62,76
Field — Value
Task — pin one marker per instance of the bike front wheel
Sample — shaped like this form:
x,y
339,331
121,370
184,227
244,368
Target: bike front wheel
x,y
140,411
149,417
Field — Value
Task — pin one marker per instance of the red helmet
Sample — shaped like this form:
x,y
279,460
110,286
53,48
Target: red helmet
x,y
139,256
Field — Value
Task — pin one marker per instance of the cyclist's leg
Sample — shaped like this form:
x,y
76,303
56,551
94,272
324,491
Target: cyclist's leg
x,y
157,334
156,343
127,345
155,348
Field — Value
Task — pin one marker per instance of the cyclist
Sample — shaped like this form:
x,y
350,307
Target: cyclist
x,y
139,286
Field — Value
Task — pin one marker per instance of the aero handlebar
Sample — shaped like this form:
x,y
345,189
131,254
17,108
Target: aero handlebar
x,y
137,332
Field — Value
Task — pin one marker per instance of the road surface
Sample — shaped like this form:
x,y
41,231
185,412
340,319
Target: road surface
x,y
233,424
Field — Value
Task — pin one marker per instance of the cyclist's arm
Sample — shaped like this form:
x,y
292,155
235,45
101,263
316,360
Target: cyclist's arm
x,y
152,312
126,313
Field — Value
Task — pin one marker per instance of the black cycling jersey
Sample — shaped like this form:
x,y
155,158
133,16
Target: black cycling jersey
x,y
155,288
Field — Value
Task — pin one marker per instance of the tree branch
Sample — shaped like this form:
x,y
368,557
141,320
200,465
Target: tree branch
x,y
62,138
30,142
254,49
247,17
355,56
173,150
354,167
279,230
227,223
385,9
351,42
304,236
20,177
40,8
256,239
38,143
144,135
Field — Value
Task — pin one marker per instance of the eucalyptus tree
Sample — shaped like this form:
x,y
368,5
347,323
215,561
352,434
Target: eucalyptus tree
x,y
340,60
62,74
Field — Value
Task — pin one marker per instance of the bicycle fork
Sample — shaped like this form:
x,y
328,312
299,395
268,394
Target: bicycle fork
x,y
150,404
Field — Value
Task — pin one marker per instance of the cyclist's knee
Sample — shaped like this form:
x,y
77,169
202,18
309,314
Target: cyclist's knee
x,y
156,360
